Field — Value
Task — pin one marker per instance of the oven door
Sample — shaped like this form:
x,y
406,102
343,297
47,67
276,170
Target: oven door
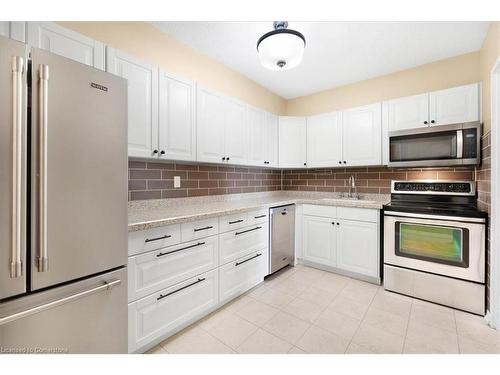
x,y
441,245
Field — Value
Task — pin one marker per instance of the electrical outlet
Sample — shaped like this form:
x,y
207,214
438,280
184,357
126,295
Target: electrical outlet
x,y
177,181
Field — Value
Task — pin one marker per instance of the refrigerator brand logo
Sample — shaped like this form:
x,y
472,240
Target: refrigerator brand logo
x,y
98,86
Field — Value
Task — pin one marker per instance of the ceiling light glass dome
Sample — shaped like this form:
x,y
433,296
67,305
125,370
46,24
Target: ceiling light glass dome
x,y
282,48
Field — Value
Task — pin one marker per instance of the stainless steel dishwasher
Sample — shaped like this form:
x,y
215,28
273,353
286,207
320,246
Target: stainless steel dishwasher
x,y
282,237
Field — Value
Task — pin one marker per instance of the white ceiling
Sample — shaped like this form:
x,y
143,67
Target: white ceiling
x,y
337,53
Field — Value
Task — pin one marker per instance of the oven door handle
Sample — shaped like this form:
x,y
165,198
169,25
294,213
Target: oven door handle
x,y
436,217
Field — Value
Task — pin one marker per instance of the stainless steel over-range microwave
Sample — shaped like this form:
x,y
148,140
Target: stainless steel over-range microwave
x,y
444,145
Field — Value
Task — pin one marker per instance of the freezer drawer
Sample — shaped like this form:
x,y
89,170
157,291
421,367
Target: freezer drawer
x,y
89,316
162,268
159,315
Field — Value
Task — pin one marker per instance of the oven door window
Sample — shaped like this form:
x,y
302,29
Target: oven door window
x,y
439,244
430,146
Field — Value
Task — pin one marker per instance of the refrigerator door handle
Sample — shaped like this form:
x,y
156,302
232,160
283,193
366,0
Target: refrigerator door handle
x,y
43,97
108,285
16,267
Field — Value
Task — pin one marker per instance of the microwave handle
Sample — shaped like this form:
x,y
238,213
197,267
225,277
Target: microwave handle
x,y
460,144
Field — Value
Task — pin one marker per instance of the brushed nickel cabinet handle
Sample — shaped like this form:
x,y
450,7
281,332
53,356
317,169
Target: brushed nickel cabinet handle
x,y
16,266
178,290
43,106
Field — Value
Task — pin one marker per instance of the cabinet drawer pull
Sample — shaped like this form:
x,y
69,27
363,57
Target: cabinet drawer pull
x,y
246,260
236,221
182,248
259,217
157,238
204,228
178,290
246,231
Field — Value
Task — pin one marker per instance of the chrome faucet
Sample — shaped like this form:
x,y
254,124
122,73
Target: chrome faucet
x,y
352,186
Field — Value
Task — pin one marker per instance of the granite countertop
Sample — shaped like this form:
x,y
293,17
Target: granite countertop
x,y
160,212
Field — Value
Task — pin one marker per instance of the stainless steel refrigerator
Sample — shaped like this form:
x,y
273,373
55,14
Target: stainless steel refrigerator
x,y
63,205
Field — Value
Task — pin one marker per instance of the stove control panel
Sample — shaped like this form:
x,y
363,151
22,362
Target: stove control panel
x,y
434,187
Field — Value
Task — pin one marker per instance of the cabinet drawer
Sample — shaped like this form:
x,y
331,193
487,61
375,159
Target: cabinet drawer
x,y
358,214
160,269
199,229
258,217
315,210
232,222
234,245
152,239
157,316
237,277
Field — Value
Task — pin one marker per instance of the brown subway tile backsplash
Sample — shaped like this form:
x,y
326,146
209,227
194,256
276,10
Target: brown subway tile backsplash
x,y
155,180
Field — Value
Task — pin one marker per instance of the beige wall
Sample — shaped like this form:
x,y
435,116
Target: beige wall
x,y
144,41
489,54
455,71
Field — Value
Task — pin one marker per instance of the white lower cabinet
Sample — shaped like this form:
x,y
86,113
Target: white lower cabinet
x,y
176,272
357,247
319,240
162,268
238,243
347,241
161,313
242,274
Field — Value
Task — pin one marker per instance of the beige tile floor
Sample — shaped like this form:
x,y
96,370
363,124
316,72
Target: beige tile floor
x,y
305,310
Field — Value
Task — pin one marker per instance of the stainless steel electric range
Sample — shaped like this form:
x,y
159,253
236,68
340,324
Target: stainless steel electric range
x,y
434,243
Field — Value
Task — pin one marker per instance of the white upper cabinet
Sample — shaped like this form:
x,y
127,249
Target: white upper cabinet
x,y
407,113
142,102
210,126
236,139
272,139
177,111
222,135
362,135
292,142
257,135
262,138
70,44
13,30
324,140
455,105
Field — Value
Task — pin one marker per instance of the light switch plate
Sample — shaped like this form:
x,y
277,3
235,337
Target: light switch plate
x,y
177,181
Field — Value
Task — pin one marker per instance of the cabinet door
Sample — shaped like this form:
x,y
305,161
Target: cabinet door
x,y
407,113
319,240
142,102
362,135
13,29
272,139
292,142
61,41
358,247
236,140
324,140
210,126
455,105
177,127
257,137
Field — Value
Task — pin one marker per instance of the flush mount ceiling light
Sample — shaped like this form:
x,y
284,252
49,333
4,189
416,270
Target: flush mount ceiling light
x,y
282,48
